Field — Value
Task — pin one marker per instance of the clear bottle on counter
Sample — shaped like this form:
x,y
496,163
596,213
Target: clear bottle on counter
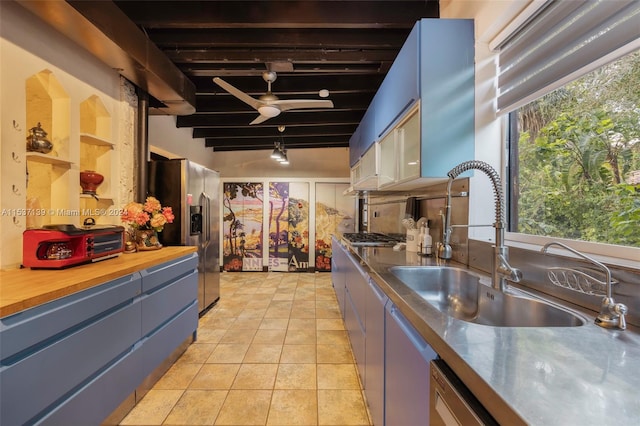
x,y
426,242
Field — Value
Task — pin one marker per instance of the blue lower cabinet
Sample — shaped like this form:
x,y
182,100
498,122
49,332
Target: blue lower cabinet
x,y
355,330
374,351
407,358
74,360
38,376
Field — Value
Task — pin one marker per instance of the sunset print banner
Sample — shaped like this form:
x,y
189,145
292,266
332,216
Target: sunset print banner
x,y
288,226
334,215
242,226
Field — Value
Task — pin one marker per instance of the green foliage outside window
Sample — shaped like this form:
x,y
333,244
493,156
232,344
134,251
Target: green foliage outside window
x,y
579,158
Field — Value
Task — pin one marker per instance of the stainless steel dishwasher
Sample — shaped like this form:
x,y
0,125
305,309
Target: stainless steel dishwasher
x,y
451,403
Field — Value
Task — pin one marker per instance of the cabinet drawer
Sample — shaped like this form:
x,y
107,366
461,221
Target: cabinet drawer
x,y
168,272
28,328
59,368
98,398
165,302
159,345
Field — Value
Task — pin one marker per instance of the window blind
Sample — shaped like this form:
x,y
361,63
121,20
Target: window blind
x,y
562,38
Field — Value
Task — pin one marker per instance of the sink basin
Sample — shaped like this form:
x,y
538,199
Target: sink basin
x,y
460,294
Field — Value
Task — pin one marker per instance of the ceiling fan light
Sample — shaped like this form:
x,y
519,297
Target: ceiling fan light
x,y
324,93
268,111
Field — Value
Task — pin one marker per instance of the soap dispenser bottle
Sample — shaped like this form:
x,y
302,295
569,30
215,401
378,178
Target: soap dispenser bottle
x,y
426,241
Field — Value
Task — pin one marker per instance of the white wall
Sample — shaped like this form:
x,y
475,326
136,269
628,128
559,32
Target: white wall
x,y
490,16
304,163
29,46
172,142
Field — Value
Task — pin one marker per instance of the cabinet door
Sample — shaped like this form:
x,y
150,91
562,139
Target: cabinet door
x,y
374,351
408,144
407,358
447,95
368,134
368,173
387,147
353,324
354,147
338,263
400,88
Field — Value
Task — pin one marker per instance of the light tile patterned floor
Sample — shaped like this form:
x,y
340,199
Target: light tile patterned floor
x,y
273,351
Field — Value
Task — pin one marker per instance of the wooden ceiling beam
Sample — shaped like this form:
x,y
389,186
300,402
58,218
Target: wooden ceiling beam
x,y
279,14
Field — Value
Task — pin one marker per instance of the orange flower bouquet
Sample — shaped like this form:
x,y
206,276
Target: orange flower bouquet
x,y
150,215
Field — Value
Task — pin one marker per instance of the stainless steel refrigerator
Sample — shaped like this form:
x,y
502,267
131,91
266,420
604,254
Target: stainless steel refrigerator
x,y
193,192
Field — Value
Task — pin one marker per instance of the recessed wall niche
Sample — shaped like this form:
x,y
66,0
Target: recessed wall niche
x,y
48,175
96,149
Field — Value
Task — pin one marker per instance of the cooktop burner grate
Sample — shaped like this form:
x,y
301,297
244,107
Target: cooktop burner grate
x,y
373,239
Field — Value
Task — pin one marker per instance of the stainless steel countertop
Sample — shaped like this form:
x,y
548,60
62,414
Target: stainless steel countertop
x,y
583,375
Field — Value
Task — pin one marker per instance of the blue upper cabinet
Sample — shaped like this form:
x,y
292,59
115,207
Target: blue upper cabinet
x,y
400,88
434,68
354,147
447,95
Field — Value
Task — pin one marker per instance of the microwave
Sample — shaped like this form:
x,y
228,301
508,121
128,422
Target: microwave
x,y
61,246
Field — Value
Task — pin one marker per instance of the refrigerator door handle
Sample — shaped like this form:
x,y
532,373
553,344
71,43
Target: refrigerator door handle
x,y
207,239
205,214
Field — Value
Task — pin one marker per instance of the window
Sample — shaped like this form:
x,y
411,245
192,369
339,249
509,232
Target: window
x,y
575,159
568,81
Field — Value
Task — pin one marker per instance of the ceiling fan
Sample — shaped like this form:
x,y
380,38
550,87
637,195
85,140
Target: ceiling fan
x,y
268,105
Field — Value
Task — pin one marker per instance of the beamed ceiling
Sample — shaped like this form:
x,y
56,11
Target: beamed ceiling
x,y
345,47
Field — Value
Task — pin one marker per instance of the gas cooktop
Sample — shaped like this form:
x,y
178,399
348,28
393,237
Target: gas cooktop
x,y
373,239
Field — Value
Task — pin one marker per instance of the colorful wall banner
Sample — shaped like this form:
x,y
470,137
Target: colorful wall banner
x,y
335,214
289,226
242,226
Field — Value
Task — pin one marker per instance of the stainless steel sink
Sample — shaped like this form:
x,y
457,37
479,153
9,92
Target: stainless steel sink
x,y
460,294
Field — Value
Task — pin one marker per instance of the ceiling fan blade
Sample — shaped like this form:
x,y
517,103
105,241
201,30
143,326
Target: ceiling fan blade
x,y
254,103
288,104
260,119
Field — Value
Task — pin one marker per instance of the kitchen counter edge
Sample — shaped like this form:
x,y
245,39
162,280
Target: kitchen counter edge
x,y
444,334
22,289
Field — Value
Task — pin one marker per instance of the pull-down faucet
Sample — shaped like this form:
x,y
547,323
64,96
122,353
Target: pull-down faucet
x,y
611,313
501,268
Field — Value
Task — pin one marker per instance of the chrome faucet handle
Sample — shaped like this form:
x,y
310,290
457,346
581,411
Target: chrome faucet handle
x,y
612,315
621,309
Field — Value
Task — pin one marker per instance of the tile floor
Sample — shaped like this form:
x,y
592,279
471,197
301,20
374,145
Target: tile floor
x,y
273,351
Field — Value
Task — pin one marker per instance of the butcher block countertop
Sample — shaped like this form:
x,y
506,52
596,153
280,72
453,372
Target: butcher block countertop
x,y
21,289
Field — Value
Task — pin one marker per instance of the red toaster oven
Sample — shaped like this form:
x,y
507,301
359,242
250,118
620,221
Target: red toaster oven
x,y
60,246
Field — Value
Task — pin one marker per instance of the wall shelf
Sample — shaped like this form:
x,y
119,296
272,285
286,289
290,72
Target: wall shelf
x,y
95,140
47,159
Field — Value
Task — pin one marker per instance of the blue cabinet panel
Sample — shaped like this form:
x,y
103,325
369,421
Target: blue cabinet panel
x,y
356,333
355,282
400,88
339,259
374,351
407,358
38,380
164,302
32,326
447,94
368,128
354,147
168,272
98,398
